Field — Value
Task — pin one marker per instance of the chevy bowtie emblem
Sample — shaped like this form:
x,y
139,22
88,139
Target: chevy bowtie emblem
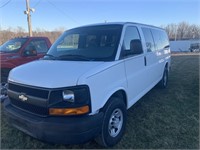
x,y
23,97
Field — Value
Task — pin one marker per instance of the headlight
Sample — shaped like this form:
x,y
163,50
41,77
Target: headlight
x,y
68,96
70,101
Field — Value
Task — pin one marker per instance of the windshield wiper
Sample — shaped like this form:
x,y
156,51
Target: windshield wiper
x,y
74,57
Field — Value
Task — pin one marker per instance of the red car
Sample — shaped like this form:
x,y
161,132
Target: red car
x,y
21,50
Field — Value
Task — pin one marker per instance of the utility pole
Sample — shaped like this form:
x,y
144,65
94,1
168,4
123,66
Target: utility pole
x,y
176,26
28,13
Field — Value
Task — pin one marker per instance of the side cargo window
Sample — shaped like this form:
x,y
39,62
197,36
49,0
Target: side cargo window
x,y
148,39
160,38
39,45
132,43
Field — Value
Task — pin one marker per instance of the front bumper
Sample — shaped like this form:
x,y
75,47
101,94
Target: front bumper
x,y
55,129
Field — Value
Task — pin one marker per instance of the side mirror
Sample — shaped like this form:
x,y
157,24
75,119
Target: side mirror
x,y
136,46
30,52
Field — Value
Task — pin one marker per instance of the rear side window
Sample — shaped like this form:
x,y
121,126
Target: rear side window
x,y
148,39
160,39
132,43
165,41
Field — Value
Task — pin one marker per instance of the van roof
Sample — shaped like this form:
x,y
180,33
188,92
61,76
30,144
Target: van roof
x,y
120,23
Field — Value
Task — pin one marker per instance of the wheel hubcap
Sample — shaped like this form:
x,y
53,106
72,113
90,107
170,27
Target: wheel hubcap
x,y
115,123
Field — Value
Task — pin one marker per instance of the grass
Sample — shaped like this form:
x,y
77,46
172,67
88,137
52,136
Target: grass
x,y
162,119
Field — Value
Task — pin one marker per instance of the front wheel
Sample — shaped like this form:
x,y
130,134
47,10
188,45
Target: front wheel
x,y
164,81
114,123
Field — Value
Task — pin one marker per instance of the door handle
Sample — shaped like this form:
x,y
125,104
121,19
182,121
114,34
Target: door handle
x,y
145,61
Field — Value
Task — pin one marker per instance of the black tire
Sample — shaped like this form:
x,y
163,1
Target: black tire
x,y
164,81
114,108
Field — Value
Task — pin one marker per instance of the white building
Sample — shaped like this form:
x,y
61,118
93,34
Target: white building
x,y
182,46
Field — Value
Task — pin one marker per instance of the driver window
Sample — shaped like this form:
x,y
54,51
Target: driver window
x,y
39,45
30,46
132,43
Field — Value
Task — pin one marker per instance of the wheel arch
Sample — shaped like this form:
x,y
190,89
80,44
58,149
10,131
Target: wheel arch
x,y
121,93
167,65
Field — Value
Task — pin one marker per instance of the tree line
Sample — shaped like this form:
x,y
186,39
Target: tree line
x,y
20,32
180,31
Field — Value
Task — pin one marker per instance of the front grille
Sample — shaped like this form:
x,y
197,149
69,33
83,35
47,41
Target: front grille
x,y
42,111
32,91
38,94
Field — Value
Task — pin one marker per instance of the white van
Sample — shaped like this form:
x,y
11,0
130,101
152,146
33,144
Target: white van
x,y
84,85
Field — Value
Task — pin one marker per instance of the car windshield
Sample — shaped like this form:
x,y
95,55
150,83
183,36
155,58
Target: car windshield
x,y
92,43
12,45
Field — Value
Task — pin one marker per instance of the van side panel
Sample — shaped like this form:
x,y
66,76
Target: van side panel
x,y
136,77
143,77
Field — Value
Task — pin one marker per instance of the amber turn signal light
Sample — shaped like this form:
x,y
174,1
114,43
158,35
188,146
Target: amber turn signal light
x,y
69,111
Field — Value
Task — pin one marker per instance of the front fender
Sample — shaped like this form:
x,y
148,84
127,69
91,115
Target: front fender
x,y
112,92
105,83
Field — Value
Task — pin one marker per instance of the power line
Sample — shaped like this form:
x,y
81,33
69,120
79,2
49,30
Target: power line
x,y
61,11
37,4
5,4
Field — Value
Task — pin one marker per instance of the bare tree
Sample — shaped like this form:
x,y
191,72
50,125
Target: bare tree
x,y
182,31
171,30
20,31
6,34
194,31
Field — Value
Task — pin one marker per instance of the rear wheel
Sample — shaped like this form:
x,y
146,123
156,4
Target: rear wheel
x,y
114,123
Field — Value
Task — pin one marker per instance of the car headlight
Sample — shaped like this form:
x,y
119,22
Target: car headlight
x,y
70,101
68,96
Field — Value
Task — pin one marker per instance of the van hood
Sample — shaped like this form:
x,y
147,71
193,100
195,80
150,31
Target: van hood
x,y
51,73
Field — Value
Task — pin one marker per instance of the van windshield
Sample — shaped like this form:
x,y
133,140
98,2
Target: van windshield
x,y
92,43
12,45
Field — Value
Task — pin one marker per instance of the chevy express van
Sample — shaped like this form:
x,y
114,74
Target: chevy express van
x,y
82,88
